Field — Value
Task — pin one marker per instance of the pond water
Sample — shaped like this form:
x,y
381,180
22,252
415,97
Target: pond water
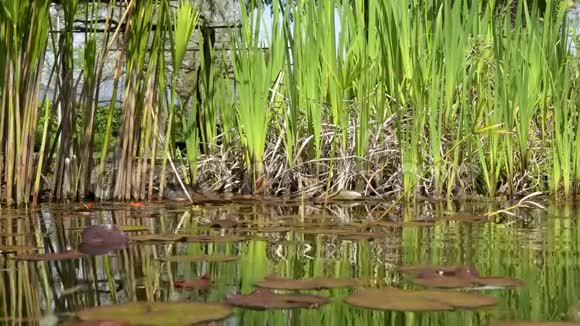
x,y
216,251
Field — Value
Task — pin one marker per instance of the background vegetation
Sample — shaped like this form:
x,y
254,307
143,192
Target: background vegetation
x,y
438,98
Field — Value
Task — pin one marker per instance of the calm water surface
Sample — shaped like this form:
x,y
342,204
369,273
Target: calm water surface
x,y
296,241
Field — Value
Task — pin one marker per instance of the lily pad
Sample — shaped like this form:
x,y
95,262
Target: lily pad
x,y
274,282
536,323
455,277
394,299
98,323
266,299
458,299
133,228
450,282
504,282
362,236
198,258
225,224
157,237
215,238
347,195
170,314
203,283
412,300
188,238
469,218
12,249
101,239
53,256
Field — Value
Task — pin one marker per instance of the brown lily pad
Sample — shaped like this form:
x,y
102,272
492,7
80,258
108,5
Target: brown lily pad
x,y
464,217
274,282
362,236
215,238
102,239
53,256
455,277
504,282
15,249
133,228
408,300
157,238
449,282
394,299
265,299
203,283
158,313
459,299
198,258
188,238
97,323
225,224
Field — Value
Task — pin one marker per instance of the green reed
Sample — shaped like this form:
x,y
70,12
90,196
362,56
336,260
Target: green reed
x,y
458,96
257,79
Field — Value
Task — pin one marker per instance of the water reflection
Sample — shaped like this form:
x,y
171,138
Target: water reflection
x,y
291,240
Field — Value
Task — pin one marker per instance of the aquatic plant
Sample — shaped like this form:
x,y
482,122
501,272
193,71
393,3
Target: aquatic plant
x,y
442,98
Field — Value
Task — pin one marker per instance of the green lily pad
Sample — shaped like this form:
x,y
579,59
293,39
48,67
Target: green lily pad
x,y
347,195
274,282
158,313
198,258
410,300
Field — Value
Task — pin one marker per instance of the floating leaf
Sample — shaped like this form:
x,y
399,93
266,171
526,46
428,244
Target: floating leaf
x,y
535,323
137,204
158,313
56,256
266,299
407,300
133,228
347,195
198,258
203,283
157,237
188,238
455,277
450,282
362,236
274,282
460,299
12,249
103,234
394,299
504,282
215,238
101,239
225,224
469,218
98,323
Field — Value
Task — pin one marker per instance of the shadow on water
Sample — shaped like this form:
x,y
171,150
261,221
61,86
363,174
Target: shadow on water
x,y
250,262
